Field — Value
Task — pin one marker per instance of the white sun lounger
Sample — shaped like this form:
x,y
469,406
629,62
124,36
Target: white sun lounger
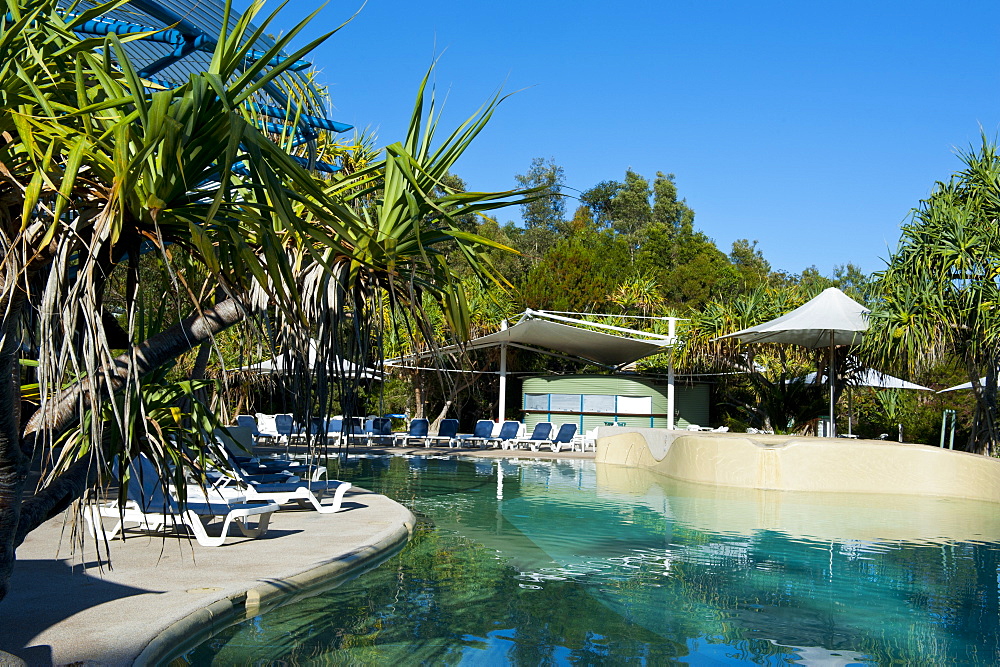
x,y
154,510
303,492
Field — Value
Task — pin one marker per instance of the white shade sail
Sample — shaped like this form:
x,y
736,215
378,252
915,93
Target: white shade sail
x,y
538,332
965,385
342,367
601,348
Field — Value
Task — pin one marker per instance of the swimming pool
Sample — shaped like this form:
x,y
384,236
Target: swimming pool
x,y
566,562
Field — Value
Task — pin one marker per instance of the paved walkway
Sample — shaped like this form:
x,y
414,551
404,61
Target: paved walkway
x,y
164,594
64,609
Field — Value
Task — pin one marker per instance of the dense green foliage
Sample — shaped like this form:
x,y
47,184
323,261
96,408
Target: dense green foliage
x,y
632,248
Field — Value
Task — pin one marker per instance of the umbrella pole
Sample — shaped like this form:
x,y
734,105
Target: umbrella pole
x,y
833,379
850,410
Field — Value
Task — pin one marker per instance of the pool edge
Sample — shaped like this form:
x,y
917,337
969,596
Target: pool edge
x,y
187,632
795,463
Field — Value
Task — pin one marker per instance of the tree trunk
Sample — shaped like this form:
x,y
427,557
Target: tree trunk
x,y
435,425
14,459
457,387
418,395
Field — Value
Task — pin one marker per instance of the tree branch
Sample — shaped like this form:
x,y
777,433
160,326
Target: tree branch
x,y
142,359
55,497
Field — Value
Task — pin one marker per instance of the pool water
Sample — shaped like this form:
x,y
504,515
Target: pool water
x,y
567,562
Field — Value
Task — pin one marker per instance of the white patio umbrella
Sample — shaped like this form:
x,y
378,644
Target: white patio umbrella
x,y
830,319
876,379
873,378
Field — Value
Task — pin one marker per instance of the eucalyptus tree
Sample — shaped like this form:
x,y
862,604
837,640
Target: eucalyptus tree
x,y
544,215
98,167
938,295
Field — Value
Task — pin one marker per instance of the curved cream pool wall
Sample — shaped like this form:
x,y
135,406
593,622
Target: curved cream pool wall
x,y
789,463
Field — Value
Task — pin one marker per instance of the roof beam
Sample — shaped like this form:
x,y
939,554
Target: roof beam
x,y
297,66
315,121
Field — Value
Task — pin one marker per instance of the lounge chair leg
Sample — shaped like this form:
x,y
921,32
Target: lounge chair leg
x,y
259,530
193,521
338,499
95,524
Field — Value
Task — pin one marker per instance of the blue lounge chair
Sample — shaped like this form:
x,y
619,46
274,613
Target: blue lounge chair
x,y
249,421
564,437
508,431
539,435
285,426
447,433
418,431
378,431
339,429
482,431
304,492
254,465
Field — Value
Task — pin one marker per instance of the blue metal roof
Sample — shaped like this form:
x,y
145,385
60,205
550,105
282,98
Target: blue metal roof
x,y
190,29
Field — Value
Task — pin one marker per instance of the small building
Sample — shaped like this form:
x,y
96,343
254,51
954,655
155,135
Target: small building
x,y
601,400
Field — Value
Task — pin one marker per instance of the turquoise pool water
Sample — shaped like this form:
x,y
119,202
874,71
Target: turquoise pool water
x,y
570,563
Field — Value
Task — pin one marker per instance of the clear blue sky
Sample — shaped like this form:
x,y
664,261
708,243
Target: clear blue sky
x,y
813,127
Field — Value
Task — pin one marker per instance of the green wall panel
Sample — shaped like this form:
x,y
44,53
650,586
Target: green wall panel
x,y
691,401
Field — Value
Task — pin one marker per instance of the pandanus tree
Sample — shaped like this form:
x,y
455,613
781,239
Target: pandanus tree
x,y
938,298
104,178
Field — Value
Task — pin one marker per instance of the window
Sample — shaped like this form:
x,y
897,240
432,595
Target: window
x,y
564,402
599,403
536,402
635,405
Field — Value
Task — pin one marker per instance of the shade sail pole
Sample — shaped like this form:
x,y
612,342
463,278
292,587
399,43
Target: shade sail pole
x,y
672,326
833,381
502,403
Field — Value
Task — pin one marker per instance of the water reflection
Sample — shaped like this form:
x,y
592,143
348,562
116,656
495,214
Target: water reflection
x,y
567,562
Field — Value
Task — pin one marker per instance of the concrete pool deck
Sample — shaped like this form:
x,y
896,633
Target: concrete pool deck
x,y
163,595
